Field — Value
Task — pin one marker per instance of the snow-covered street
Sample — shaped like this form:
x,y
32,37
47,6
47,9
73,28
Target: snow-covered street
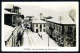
x,y
32,39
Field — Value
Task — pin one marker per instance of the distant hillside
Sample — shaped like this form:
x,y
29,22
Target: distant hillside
x,y
29,10
72,14
35,11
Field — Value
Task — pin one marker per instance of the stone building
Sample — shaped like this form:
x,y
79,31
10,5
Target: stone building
x,y
62,29
12,15
13,30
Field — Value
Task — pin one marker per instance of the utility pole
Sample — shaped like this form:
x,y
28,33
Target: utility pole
x,y
60,19
48,28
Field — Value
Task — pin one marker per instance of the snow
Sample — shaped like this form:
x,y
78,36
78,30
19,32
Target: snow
x,y
45,37
38,21
32,39
7,12
7,31
25,40
66,19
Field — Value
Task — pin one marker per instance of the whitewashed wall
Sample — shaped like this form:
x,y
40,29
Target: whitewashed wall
x,y
34,27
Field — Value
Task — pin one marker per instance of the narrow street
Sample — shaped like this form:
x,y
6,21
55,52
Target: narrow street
x,y
27,40
31,39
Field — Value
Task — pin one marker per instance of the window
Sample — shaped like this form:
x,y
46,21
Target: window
x,y
57,27
14,17
50,24
36,30
36,25
60,28
54,27
40,26
14,22
44,30
17,11
70,29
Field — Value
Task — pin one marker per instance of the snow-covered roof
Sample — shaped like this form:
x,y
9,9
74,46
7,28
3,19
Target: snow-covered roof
x,y
38,21
65,19
7,12
7,31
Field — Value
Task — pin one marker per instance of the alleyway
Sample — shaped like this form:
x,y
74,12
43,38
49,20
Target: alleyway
x,y
32,39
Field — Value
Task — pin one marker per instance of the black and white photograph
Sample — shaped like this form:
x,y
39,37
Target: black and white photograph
x,y
40,26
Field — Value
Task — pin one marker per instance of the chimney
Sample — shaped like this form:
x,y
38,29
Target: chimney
x,y
41,16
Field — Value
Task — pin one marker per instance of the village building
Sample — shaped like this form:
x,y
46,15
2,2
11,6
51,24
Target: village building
x,y
62,29
12,22
12,16
29,18
38,26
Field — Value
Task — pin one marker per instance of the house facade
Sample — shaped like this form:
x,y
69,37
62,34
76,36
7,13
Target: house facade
x,y
29,18
38,26
63,32
12,16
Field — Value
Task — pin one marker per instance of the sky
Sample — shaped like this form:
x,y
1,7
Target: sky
x,y
52,5
47,8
